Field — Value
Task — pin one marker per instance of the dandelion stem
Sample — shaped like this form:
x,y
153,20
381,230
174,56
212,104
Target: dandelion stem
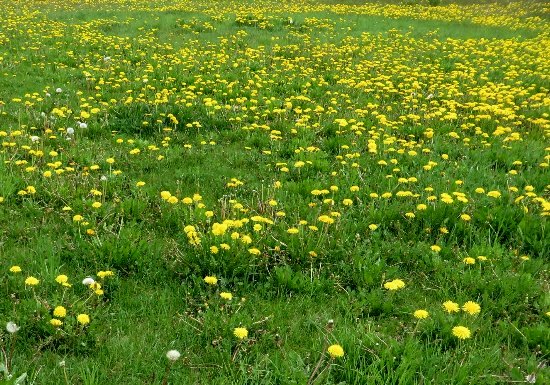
x,y
235,353
5,357
312,377
328,366
65,374
12,349
166,373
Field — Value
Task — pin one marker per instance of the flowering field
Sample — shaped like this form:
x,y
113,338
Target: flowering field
x,y
267,192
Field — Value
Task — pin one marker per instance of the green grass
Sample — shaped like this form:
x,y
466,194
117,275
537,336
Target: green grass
x,y
453,103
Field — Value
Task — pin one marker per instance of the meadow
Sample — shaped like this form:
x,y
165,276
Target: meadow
x,y
267,192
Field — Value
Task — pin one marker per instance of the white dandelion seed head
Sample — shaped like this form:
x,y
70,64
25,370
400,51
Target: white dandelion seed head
x,y
70,130
173,355
83,125
34,138
58,90
11,327
88,281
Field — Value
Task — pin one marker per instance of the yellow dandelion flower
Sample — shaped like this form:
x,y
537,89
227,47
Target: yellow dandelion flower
x,y
421,314
211,280
326,219
83,319
103,274
56,323
240,333
254,251
461,332
61,279
335,351
59,312
219,228
396,284
471,308
451,307
31,281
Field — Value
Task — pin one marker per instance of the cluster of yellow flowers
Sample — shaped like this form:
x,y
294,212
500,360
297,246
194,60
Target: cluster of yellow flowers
x,y
461,332
59,311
